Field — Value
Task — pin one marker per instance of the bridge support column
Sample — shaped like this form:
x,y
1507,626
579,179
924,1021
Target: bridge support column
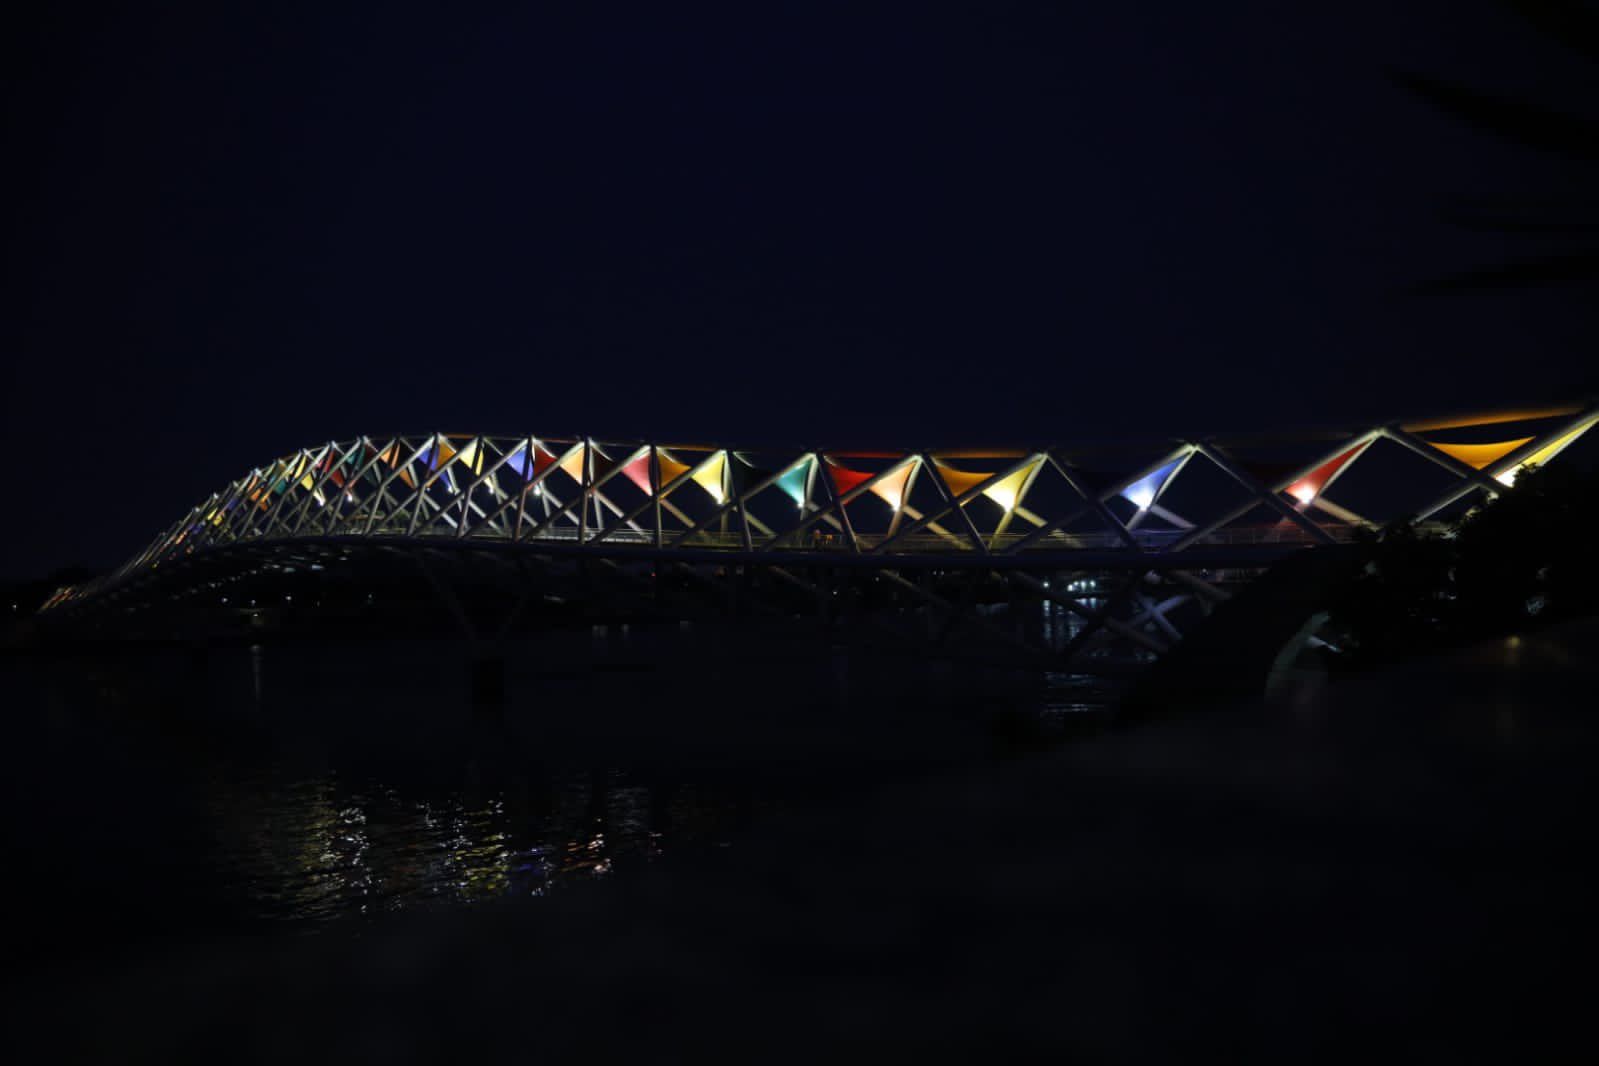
x,y
486,680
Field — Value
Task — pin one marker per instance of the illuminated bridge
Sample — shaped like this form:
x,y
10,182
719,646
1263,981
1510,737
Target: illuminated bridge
x,y
1122,543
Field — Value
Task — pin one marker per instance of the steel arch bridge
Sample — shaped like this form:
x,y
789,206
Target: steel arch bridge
x,y
1126,539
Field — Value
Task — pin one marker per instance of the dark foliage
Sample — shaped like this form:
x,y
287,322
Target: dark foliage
x,y
1566,131
1524,557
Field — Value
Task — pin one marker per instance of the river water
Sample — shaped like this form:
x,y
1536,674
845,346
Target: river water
x,y
175,791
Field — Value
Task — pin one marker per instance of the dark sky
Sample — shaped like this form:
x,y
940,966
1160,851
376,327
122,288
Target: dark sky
x,y
232,234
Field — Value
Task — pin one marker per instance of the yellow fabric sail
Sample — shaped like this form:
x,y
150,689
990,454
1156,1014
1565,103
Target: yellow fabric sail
x,y
709,476
1544,454
1007,489
1554,448
1478,456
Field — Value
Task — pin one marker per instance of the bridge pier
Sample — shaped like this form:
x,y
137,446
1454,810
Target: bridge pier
x,y
486,680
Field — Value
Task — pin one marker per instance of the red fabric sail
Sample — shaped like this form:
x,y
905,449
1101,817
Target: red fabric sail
x,y
638,472
1309,487
845,479
542,458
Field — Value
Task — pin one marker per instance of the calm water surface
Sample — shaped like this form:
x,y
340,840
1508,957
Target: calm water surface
x,y
302,785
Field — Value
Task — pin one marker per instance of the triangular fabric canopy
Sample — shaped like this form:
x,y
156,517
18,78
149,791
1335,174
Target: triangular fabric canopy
x,y
1006,490
1478,456
543,459
1544,454
746,474
1142,492
572,464
793,482
960,482
891,488
638,472
517,461
395,458
602,464
437,454
1554,448
671,469
845,479
1309,487
709,476
471,457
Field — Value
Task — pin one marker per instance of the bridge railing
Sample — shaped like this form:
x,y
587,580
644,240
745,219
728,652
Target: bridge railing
x,y
831,542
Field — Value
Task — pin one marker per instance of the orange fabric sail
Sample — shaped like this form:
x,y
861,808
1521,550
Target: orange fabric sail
x,y
671,469
572,465
1491,418
1478,456
960,482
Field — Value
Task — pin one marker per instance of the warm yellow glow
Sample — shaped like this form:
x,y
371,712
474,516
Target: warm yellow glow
x,y
960,482
1006,490
1488,419
1478,456
671,469
709,476
1554,448
891,489
1542,455
572,463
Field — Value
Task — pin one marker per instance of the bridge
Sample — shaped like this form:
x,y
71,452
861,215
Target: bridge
x,y
1063,551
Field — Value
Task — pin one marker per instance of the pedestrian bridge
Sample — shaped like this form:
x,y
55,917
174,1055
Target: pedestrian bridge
x,y
1173,519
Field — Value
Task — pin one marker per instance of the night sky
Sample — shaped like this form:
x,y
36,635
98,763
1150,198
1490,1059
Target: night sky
x,y
232,234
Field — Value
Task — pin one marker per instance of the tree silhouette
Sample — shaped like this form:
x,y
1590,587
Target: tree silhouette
x,y
1524,557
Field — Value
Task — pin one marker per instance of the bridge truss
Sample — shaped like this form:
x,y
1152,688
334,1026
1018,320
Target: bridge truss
x,y
1125,541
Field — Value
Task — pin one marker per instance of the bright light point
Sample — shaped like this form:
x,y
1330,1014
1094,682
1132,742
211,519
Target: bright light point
x,y
1508,477
1142,492
1007,490
1302,492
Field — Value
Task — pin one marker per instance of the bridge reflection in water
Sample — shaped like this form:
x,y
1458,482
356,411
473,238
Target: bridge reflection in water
x,y
964,546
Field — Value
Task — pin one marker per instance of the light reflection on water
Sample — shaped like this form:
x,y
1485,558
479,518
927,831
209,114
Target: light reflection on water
x,y
305,783
321,847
